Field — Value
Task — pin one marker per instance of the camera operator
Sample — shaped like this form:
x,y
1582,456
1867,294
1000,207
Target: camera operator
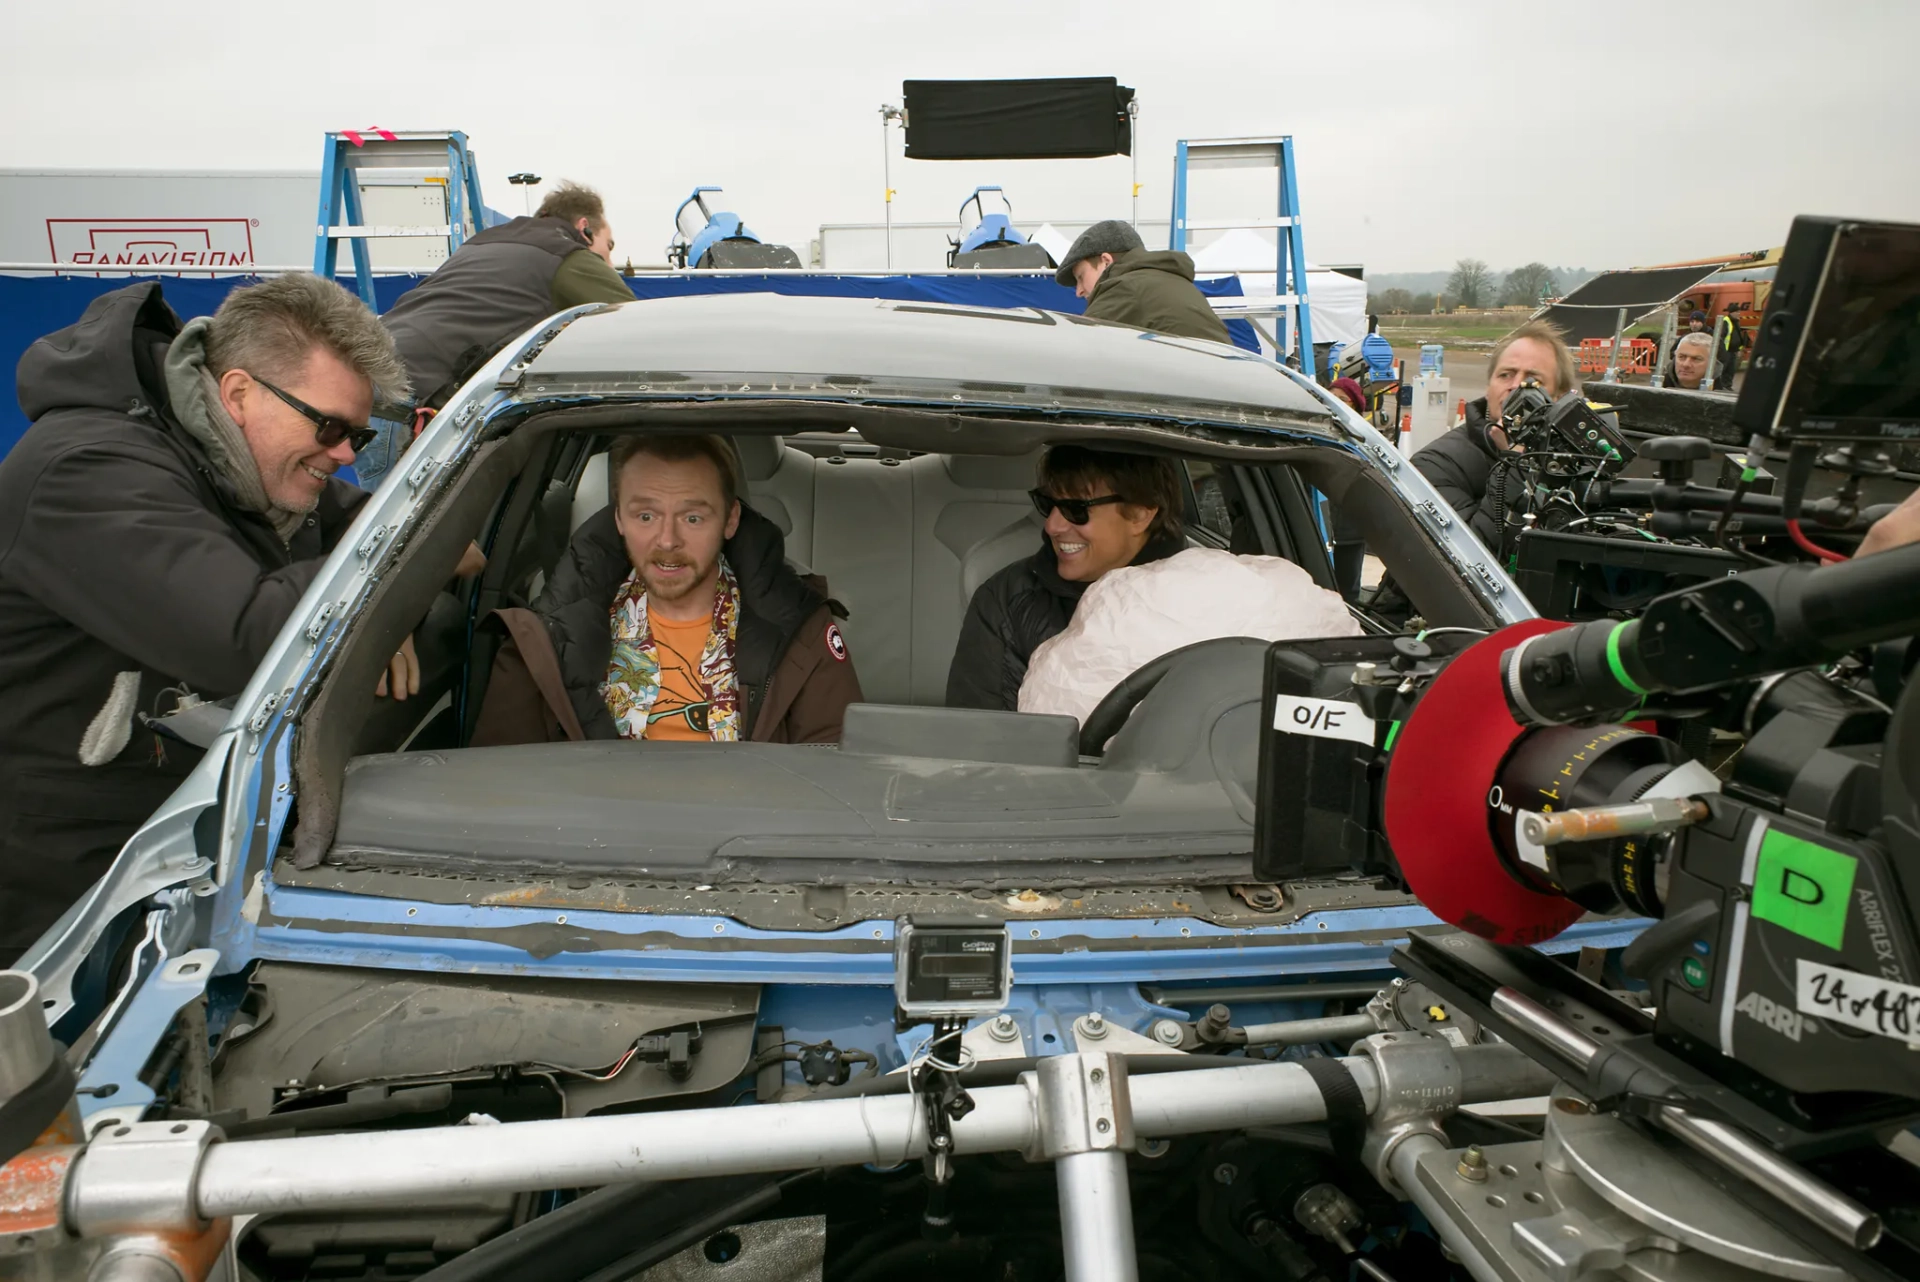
x,y
1460,463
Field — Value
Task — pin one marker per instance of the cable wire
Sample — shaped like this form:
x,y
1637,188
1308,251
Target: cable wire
x,y
1807,545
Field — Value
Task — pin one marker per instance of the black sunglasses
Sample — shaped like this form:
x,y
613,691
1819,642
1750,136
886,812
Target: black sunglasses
x,y
327,429
1076,511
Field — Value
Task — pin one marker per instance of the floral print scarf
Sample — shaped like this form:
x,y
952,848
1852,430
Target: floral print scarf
x,y
633,673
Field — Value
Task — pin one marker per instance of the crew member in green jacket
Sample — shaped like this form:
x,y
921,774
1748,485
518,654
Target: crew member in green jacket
x,y
1123,281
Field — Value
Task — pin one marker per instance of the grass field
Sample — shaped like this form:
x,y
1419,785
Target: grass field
x,y
1461,331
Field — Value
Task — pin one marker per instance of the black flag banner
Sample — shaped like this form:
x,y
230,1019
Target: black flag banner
x,y
1065,119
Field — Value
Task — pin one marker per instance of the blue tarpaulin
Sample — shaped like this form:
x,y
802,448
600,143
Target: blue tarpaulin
x,y
33,307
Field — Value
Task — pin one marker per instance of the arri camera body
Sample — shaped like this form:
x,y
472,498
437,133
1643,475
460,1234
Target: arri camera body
x,y
1516,781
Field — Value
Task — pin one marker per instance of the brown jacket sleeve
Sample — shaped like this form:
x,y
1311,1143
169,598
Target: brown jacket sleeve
x,y
808,696
526,700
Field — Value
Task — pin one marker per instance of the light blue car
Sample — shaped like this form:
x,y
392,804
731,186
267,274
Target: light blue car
x,y
395,933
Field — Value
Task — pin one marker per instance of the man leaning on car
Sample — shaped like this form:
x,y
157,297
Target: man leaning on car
x,y
159,522
674,616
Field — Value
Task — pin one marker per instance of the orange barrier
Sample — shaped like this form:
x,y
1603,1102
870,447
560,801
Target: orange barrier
x,y
1636,355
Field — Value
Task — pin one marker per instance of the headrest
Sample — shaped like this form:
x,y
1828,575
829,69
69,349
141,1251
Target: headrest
x,y
760,456
993,471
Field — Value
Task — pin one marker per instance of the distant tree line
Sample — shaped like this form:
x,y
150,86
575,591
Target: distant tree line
x,y
1473,284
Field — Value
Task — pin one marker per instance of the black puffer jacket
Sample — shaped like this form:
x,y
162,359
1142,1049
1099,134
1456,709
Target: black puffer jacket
x,y
1008,618
127,567
1459,465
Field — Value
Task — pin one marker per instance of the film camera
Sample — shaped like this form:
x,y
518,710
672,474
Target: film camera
x,y
1515,782
1832,383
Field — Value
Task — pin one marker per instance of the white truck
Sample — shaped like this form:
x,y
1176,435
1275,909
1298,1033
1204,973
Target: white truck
x,y
198,221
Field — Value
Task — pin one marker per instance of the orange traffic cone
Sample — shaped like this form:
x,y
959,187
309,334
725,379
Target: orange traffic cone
x,y
1460,412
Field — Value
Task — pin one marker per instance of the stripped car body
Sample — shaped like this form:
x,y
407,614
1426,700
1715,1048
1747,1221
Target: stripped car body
x,y
373,915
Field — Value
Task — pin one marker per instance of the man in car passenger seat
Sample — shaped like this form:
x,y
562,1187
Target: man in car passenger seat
x,y
159,522
1103,510
674,617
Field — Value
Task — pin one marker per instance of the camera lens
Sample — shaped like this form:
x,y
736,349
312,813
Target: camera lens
x,y
1564,767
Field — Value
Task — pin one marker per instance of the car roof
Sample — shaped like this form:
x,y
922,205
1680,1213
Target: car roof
x,y
877,350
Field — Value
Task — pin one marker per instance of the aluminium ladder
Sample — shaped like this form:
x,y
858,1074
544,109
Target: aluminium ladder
x,y
1290,265
354,159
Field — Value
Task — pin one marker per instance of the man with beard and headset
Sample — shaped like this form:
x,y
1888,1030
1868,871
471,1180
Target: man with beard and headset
x,y
674,616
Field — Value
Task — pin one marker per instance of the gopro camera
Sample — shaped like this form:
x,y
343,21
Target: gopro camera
x,y
950,970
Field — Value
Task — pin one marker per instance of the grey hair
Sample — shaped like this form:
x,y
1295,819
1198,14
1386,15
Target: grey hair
x,y
272,328
1698,337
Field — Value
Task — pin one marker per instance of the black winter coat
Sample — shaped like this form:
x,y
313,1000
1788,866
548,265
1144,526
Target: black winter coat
x,y
126,568
1008,618
1459,465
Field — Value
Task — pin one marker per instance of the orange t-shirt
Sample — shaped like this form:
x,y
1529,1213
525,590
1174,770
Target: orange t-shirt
x,y
680,710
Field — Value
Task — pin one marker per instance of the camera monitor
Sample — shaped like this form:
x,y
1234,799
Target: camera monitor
x,y
1838,354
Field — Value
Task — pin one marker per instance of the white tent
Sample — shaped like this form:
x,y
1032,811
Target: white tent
x,y
1337,304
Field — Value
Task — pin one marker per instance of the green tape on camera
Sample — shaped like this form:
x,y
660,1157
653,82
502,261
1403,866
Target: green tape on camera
x,y
1804,887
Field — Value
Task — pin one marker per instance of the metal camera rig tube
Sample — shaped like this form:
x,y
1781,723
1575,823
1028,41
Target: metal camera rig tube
x,y
1736,1152
1714,633
1820,1202
148,1180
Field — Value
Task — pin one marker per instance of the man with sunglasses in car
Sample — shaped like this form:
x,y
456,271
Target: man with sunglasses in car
x,y
1102,510
159,523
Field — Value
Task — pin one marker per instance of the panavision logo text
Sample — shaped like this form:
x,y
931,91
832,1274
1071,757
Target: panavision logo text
x,y
160,243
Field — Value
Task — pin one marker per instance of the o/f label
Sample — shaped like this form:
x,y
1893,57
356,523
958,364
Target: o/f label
x,y
1882,1006
1321,718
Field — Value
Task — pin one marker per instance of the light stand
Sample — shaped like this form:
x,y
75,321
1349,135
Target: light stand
x,y
526,182
889,114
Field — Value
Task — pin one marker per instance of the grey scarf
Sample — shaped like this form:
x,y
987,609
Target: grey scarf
x,y
195,396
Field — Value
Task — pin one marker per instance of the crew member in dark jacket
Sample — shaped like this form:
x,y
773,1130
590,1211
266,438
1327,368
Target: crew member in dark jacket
x,y
674,617
1460,464
499,283
158,523
1110,267
1103,510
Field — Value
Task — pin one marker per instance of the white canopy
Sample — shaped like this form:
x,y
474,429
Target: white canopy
x,y
1336,303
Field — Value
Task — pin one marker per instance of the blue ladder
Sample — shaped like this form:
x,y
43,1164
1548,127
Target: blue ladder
x,y
431,158
1290,267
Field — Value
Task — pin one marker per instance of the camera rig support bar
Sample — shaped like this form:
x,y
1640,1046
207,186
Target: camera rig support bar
x,y
1605,1050
1713,634
134,1189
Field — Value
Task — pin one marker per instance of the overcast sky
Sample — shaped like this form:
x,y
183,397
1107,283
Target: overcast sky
x,y
1576,134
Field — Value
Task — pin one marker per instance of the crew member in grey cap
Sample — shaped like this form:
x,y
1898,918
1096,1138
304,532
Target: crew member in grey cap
x,y
1123,281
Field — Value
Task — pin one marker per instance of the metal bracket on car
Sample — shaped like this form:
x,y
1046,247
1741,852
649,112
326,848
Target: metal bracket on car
x,y
318,624
1388,456
110,1088
419,476
372,542
1093,1031
1440,517
263,713
1493,581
